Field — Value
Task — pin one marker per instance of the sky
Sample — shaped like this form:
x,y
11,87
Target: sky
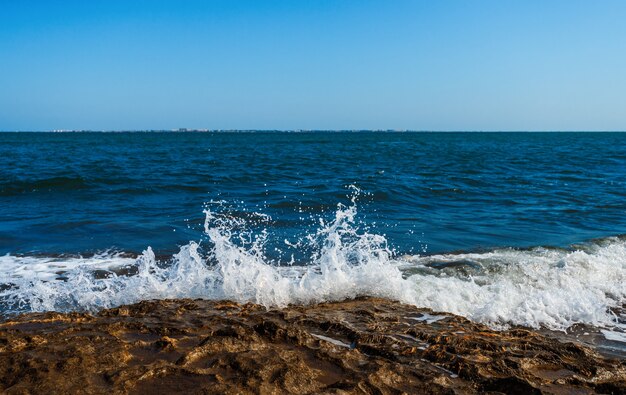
x,y
343,64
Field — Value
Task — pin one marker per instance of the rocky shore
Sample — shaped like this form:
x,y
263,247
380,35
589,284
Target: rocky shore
x,y
366,346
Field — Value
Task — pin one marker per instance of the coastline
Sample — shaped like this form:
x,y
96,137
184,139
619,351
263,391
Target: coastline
x,y
365,345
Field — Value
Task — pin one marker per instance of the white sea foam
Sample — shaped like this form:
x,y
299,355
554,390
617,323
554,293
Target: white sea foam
x,y
428,318
614,336
538,287
13,268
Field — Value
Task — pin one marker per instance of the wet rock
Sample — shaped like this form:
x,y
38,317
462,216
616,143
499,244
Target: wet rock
x,y
365,346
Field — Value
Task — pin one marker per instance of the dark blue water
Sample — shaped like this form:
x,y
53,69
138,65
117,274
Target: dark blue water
x,y
69,193
436,215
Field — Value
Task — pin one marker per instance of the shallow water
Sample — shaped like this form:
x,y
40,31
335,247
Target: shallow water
x,y
506,229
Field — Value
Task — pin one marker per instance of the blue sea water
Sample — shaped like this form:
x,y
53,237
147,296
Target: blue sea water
x,y
503,228
427,192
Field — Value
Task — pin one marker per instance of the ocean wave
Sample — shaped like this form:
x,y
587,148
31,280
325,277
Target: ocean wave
x,y
57,184
538,287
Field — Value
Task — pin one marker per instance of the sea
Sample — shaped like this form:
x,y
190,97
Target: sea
x,y
506,229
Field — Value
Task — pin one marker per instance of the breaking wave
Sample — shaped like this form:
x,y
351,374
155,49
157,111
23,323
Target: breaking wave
x,y
539,287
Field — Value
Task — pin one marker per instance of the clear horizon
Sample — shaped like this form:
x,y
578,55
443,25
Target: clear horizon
x,y
206,130
319,65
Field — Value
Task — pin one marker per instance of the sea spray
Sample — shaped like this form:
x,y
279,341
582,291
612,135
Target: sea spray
x,y
347,264
538,287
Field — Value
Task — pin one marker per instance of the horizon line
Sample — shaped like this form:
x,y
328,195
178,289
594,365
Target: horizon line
x,y
202,130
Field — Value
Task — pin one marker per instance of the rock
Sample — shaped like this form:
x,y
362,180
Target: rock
x,y
365,346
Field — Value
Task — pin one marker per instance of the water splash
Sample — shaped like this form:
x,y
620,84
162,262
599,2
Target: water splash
x,y
536,288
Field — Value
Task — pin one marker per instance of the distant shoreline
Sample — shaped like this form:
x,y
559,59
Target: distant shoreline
x,y
307,131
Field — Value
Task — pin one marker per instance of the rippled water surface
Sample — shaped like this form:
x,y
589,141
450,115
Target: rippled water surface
x,y
502,228
434,192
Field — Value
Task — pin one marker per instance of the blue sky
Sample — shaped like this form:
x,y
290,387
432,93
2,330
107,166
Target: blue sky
x,y
422,65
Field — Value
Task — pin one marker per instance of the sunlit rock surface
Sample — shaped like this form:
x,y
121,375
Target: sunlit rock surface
x,y
368,346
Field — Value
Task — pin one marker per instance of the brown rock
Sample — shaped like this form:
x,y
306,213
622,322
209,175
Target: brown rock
x,y
365,346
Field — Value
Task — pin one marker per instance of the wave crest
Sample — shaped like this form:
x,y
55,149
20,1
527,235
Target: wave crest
x,y
536,288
